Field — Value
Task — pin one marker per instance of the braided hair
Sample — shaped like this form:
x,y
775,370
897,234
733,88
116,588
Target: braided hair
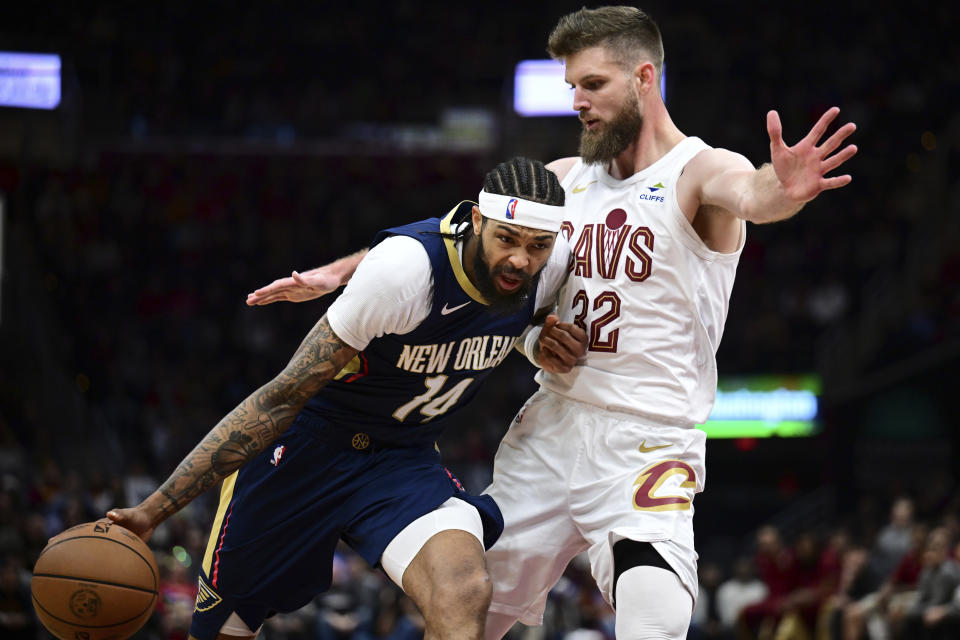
x,y
524,178
518,177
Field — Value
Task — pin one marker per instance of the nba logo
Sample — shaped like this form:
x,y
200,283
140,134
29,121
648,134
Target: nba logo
x,y
511,209
277,454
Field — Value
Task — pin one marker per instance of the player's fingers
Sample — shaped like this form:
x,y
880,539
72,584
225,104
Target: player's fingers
x,y
835,161
774,128
270,287
549,323
271,298
575,331
299,279
835,183
559,351
818,129
576,346
550,361
276,285
834,140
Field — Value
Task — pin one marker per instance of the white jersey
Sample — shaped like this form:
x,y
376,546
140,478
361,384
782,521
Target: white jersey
x,y
650,294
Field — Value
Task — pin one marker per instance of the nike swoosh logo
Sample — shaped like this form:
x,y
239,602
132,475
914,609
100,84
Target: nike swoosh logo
x,y
645,449
447,309
582,187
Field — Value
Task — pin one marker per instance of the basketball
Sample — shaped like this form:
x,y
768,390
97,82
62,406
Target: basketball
x,y
93,582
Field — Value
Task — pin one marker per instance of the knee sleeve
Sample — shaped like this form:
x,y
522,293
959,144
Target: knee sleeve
x,y
652,603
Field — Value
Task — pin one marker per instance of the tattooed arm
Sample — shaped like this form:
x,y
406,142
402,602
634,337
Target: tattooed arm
x,y
245,431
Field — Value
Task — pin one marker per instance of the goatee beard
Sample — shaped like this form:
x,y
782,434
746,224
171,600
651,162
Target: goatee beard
x,y
612,138
501,304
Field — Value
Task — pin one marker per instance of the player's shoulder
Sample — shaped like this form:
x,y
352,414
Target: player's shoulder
x,y
397,258
563,166
711,160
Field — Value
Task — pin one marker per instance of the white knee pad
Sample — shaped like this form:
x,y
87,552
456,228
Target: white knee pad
x,y
652,603
452,514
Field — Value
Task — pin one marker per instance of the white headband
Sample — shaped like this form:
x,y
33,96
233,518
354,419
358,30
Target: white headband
x,y
525,213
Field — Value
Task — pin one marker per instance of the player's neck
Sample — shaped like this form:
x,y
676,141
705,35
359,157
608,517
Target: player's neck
x,y
656,138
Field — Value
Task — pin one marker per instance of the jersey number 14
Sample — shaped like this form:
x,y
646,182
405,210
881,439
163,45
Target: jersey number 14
x,y
431,404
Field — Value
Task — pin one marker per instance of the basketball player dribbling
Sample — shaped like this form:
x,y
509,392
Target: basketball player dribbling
x,y
341,444
605,458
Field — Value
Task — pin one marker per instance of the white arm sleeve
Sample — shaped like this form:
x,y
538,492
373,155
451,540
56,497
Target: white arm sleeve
x,y
553,277
390,292
554,274
527,343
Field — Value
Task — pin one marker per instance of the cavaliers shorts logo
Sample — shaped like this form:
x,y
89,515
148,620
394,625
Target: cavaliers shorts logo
x,y
207,598
360,441
652,478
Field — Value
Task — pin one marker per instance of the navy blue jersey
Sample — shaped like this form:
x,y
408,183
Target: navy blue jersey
x,y
358,464
402,389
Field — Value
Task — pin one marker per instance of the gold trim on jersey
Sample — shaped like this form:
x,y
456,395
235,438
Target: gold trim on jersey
x,y
454,256
207,598
226,493
354,366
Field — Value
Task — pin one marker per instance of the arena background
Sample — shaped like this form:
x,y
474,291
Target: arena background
x,y
203,149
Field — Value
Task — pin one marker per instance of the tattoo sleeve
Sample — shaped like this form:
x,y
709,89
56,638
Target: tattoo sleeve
x,y
257,421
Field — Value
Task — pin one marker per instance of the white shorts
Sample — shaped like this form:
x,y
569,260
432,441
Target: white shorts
x,y
570,477
452,514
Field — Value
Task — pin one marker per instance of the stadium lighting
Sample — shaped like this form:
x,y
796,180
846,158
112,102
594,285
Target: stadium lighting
x,y
540,90
29,80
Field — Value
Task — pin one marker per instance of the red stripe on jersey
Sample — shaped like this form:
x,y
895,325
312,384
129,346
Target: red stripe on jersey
x,y
223,534
364,369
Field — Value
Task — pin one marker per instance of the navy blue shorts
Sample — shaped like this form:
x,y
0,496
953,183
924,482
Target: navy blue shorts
x,y
280,517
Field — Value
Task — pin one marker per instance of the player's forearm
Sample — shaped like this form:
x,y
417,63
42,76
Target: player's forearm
x,y
763,198
254,424
342,268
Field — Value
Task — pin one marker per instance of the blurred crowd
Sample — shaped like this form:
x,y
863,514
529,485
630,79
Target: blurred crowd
x,y
896,579
127,260
903,583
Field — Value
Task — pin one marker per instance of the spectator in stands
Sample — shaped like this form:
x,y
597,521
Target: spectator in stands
x,y
893,540
934,614
776,566
740,591
876,611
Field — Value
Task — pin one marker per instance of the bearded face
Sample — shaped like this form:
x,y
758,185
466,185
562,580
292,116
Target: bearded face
x,y
485,280
606,140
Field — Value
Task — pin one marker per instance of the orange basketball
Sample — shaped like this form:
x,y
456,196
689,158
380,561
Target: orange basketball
x,y
93,582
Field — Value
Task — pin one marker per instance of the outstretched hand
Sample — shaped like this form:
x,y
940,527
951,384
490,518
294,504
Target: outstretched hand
x,y
801,168
134,519
299,287
561,345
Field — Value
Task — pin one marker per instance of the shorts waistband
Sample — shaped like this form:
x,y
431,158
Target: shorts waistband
x,y
618,414
357,439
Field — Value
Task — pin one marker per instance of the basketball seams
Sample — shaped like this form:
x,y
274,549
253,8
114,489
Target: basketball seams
x,y
149,607
81,589
94,581
123,544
